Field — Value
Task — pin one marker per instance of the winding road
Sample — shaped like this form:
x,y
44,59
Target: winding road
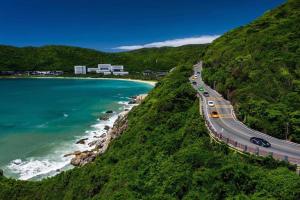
x,y
236,134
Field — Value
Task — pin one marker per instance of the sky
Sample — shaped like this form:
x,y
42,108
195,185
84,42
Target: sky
x,y
118,25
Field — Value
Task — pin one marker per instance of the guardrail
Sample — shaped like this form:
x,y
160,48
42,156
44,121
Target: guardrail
x,y
242,148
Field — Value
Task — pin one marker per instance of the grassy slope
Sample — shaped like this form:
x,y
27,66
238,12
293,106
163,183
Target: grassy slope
x,y
64,58
258,67
165,154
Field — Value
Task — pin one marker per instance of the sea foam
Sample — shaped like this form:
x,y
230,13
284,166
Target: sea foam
x,y
52,164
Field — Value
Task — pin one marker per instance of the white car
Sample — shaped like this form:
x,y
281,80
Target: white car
x,y
211,103
196,76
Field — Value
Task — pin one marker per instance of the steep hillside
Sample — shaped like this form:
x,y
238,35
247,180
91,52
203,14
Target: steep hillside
x,y
257,67
165,154
64,58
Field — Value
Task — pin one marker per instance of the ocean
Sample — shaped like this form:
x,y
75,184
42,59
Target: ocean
x,y
41,120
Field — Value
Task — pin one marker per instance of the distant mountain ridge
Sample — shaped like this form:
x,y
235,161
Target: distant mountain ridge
x,y
257,67
65,57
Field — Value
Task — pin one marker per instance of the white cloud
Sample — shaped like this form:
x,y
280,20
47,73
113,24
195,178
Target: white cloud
x,y
173,43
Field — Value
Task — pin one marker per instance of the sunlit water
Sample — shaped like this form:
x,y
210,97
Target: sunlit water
x,y
41,119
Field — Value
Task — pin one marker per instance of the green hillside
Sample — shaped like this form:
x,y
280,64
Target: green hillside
x,y
257,67
165,154
64,58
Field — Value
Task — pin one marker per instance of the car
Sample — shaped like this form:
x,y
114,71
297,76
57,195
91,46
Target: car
x,y
194,83
260,142
198,72
206,94
211,103
215,114
201,89
196,76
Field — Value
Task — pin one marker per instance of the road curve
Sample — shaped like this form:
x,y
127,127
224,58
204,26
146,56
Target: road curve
x,y
235,131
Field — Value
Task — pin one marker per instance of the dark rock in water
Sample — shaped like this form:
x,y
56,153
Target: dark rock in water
x,y
126,109
132,102
1,172
81,141
58,170
71,154
133,97
68,154
109,112
104,118
106,128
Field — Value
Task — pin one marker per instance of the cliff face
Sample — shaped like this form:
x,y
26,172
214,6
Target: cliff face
x,y
257,67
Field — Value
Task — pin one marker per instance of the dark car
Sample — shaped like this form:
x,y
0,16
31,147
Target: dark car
x,y
260,142
194,83
206,94
198,72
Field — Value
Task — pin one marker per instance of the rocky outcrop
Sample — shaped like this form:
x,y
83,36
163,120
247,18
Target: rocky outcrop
x,y
83,158
104,117
133,101
101,143
137,99
140,98
120,126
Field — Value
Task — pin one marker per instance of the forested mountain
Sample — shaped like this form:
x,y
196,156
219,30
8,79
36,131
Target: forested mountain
x,y
257,67
65,57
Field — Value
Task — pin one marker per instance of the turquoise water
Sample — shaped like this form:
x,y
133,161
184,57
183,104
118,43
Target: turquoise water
x,y
40,119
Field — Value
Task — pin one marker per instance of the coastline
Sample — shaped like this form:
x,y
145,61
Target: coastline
x,y
152,83
97,142
93,143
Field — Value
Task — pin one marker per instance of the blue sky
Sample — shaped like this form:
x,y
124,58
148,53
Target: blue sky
x,y
111,25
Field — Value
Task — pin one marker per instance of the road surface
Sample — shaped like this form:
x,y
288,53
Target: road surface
x,y
229,127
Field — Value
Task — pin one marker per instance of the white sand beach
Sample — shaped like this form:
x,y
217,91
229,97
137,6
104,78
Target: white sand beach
x,y
153,83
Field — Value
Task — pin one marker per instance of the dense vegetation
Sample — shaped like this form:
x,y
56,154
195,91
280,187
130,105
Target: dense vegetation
x,y
64,58
165,154
257,67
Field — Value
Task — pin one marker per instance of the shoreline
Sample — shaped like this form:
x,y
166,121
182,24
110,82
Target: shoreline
x,y
152,83
93,143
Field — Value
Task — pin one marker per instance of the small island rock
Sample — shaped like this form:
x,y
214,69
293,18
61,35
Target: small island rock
x,y
106,128
81,141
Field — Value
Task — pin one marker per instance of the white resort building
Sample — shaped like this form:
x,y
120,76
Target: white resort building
x,y
106,69
80,69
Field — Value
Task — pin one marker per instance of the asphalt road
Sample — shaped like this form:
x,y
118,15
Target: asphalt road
x,y
230,127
